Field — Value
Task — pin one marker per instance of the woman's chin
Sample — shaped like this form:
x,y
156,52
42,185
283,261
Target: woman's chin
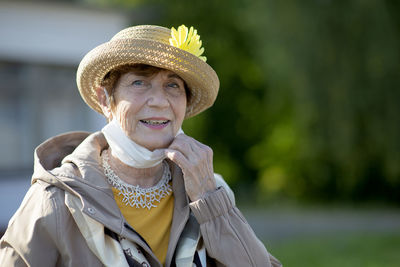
x,y
155,144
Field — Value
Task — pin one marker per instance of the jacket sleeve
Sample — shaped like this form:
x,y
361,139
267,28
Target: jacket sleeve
x,y
227,236
29,238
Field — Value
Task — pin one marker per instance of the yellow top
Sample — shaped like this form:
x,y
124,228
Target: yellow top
x,y
153,225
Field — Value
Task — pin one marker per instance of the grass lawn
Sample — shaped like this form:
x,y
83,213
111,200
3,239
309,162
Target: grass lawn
x,y
344,250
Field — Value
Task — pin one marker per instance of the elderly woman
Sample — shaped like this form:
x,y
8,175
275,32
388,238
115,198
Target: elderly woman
x,y
140,192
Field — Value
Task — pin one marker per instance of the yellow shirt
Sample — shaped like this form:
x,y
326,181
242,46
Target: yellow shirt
x,y
153,225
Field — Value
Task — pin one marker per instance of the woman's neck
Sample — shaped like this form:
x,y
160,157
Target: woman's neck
x,y
143,177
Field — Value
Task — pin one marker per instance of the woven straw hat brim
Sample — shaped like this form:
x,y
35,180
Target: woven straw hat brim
x,y
201,79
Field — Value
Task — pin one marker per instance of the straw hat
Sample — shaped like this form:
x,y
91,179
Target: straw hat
x,y
148,44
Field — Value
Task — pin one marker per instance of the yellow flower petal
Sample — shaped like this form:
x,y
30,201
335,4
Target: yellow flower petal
x,y
182,33
173,41
191,33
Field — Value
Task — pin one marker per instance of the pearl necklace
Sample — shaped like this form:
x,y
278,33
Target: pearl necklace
x,y
134,195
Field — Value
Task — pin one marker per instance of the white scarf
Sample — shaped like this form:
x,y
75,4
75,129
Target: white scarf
x,y
129,152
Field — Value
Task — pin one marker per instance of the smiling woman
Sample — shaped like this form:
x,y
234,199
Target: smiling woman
x,y
139,192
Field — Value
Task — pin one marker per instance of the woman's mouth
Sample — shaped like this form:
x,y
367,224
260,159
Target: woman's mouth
x,y
155,124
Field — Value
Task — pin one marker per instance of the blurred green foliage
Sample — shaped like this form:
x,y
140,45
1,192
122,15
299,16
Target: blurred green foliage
x,y
308,106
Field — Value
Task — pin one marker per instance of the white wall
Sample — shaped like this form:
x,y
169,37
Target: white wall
x,y
57,34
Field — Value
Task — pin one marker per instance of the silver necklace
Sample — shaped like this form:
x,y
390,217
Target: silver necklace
x,y
134,195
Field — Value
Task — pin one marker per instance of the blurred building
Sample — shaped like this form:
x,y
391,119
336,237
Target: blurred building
x,y
41,45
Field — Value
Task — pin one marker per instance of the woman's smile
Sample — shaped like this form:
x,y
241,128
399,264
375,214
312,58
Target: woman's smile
x,y
155,123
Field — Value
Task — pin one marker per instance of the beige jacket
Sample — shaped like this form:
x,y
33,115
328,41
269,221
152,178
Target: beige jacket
x,y
44,233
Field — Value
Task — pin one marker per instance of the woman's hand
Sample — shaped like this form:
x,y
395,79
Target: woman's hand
x,y
196,161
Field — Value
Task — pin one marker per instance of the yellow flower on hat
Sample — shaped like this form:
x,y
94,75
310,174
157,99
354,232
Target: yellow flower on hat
x,y
188,40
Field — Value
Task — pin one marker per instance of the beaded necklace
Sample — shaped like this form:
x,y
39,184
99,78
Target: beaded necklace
x,y
134,195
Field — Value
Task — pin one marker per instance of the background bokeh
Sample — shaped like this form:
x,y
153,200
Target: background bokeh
x,y
306,125
309,102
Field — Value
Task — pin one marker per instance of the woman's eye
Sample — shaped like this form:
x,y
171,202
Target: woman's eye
x,y
138,83
173,85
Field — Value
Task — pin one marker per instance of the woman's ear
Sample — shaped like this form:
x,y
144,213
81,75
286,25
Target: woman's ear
x,y
104,101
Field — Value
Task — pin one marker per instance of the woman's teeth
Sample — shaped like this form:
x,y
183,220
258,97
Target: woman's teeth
x,y
155,122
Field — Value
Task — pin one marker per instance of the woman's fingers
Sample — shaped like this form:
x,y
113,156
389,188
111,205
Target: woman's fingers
x,y
177,157
192,149
195,160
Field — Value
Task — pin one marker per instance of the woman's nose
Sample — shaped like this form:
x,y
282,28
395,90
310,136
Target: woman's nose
x,y
158,97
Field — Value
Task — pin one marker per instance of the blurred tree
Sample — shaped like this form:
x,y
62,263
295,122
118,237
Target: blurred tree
x,y
308,105
337,64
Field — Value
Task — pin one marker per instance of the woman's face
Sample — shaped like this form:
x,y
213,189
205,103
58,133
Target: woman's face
x,y
150,107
